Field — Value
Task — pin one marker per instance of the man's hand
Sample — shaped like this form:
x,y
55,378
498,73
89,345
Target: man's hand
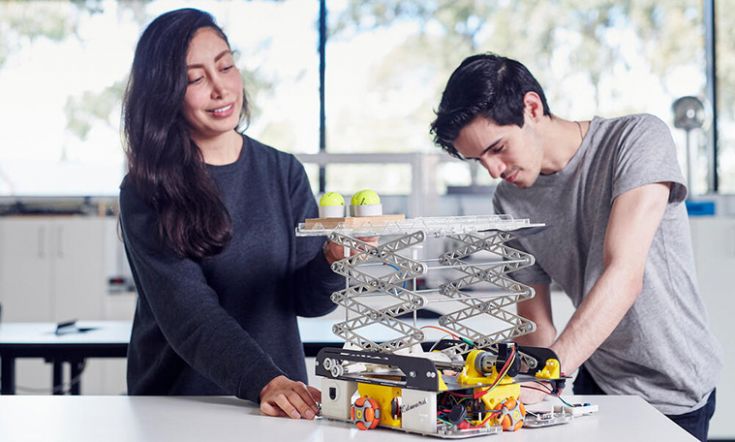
x,y
534,392
531,394
284,397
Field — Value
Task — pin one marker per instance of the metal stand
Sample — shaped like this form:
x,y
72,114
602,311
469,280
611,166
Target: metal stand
x,y
472,235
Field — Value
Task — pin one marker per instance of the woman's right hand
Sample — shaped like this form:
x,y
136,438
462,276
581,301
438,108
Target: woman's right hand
x,y
336,252
284,397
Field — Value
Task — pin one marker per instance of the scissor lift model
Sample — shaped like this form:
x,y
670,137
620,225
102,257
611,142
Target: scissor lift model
x,y
465,386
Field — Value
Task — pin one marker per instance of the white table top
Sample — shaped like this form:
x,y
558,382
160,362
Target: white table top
x,y
311,329
155,418
105,332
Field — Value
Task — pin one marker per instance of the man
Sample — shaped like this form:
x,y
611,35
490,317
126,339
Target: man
x,y
617,241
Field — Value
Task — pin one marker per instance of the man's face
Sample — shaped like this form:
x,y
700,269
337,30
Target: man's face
x,y
508,152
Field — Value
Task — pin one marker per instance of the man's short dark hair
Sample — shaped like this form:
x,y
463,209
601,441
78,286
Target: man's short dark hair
x,y
488,85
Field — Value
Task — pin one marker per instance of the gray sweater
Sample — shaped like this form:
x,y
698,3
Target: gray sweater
x,y
226,325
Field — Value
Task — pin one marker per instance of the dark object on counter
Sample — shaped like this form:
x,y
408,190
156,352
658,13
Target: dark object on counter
x,y
21,208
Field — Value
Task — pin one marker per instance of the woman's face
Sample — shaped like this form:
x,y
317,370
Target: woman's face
x,y
213,97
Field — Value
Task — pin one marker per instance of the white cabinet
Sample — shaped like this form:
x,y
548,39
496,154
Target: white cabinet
x,y
79,277
26,284
56,269
714,252
52,269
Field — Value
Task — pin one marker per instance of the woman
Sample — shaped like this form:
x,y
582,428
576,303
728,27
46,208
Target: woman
x,y
208,219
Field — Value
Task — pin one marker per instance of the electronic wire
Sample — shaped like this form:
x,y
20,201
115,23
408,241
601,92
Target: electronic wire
x,y
546,390
478,395
395,267
449,332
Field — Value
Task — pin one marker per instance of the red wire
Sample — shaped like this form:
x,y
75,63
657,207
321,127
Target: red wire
x,y
461,395
484,421
455,336
501,374
477,395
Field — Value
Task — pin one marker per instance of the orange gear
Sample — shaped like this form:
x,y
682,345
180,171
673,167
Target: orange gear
x,y
365,412
512,414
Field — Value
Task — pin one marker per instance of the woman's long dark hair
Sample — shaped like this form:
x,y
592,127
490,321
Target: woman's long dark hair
x,y
164,165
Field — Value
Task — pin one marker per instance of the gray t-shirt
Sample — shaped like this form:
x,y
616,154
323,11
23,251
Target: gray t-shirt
x,y
663,349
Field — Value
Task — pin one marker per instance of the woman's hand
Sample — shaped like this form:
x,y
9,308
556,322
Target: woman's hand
x,y
284,397
335,252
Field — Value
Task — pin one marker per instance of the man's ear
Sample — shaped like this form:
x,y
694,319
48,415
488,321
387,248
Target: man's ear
x,y
532,105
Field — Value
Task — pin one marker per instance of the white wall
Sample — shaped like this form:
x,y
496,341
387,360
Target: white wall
x,y
714,248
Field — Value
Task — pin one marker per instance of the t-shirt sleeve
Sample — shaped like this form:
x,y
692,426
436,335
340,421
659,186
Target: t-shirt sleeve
x,y
533,274
187,310
314,280
646,155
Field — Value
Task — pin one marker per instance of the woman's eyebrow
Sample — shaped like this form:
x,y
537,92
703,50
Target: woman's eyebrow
x,y
199,65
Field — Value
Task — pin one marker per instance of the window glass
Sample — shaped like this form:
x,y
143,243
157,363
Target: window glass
x,y
725,28
388,61
63,72
386,179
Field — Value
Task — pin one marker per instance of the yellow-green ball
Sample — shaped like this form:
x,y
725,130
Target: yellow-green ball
x,y
331,199
365,197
